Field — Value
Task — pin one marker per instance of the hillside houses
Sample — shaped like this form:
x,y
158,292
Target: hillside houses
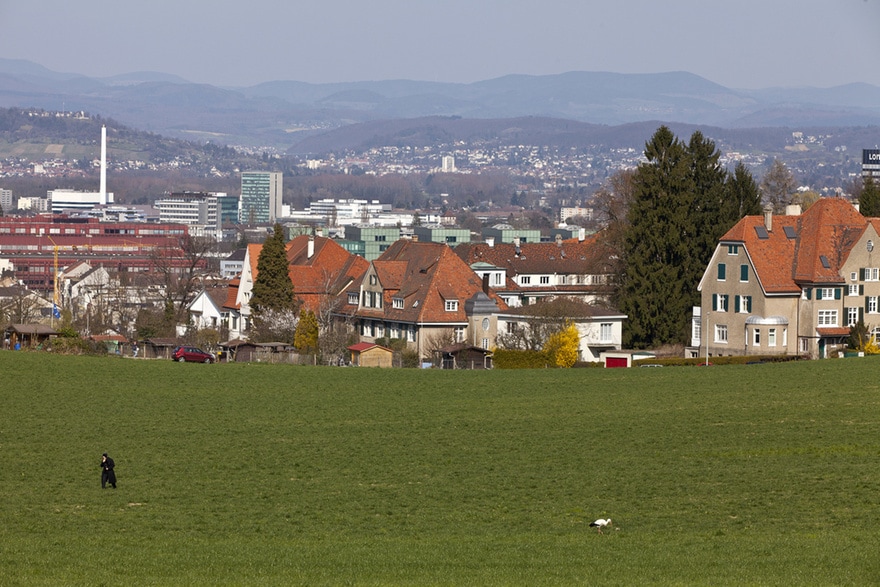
x,y
791,284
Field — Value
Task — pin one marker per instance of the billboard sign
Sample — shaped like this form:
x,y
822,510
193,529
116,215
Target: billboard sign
x,y
871,158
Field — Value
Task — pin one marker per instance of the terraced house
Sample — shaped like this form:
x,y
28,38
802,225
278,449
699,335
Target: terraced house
x,y
790,284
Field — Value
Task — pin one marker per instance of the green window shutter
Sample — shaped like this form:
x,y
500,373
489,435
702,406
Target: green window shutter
x,y
837,293
861,290
743,272
749,304
714,302
722,271
736,304
861,314
809,291
862,274
866,304
818,293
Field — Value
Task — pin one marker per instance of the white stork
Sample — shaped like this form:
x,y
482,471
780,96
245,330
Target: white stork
x,y
600,523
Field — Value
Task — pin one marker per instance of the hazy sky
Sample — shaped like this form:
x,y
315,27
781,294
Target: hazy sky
x,y
739,43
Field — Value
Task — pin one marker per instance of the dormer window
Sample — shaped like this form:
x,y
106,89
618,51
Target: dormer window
x,y
451,305
353,298
397,303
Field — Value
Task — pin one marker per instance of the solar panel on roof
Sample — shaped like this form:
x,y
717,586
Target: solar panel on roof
x,y
789,232
762,232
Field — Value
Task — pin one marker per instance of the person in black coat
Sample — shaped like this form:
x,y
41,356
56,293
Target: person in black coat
x,y
107,473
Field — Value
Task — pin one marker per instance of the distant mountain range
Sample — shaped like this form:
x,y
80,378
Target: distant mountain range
x,y
291,115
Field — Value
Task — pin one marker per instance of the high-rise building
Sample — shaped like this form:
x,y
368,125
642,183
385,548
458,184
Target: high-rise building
x,y
6,200
261,193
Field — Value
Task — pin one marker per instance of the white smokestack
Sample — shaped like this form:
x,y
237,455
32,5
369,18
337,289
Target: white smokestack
x,y
103,164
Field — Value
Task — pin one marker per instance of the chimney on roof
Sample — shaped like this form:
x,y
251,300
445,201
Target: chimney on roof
x,y
558,240
768,217
415,238
490,240
319,232
311,247
793,210
516,241
582,234
486,283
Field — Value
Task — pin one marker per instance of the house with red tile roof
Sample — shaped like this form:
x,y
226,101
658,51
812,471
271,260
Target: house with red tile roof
x,y
319,269
789,284
525,273
424,293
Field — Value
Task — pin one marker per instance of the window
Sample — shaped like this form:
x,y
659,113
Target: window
x,y
870,274
451,305
825,293
756,337
732,249
397,303
605,332
719,302
353,298
852,289
459,333
545,280
744,273
771,337
743,305
852,316
486,343
525,280
722,271
827,317
721,333
872,304
803,345
373,279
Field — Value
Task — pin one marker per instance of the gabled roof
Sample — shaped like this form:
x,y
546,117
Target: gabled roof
x,y
568,257
422,273
807,249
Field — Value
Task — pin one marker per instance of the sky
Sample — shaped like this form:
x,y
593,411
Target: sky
x,y
741,44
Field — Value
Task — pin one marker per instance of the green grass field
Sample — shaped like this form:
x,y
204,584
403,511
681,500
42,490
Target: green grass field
x,y
277,475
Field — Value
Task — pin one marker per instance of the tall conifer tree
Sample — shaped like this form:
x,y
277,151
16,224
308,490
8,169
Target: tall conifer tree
x,y
273,289
683,202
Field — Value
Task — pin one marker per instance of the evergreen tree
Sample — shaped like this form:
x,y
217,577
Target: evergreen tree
x,y
869,198
273,289
743,196
683,201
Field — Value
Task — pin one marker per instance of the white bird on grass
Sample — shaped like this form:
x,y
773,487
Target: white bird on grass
x,y
600,523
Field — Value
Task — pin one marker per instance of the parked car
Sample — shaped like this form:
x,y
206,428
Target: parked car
x,y
191,354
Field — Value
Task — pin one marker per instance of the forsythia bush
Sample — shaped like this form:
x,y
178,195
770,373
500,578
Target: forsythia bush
x,y
562,348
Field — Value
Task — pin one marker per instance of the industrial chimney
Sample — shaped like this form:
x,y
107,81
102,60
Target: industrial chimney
x,y
103,164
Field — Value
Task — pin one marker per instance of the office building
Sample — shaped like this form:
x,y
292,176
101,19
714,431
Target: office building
x,y
261,193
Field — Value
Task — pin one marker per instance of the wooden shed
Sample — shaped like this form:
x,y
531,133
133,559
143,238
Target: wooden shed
x,y
27,335
369,354
463,356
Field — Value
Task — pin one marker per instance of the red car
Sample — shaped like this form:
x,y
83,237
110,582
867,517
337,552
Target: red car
x,y
191,354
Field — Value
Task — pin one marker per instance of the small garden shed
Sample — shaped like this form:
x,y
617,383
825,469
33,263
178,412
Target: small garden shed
x,y
369,354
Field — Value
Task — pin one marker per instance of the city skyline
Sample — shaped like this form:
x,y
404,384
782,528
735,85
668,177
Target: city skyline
x,y
751,44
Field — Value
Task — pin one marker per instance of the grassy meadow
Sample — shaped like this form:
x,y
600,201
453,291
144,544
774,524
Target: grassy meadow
x,y
236,474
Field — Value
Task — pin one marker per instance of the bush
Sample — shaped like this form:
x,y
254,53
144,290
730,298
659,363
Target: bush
x,y
518,359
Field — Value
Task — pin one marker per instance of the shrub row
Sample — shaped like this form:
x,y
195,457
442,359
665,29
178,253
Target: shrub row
x,y
734,360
